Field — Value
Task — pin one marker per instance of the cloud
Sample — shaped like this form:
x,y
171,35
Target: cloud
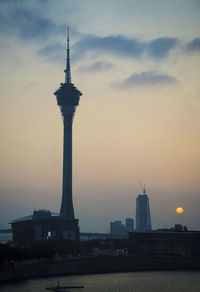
x,y
122,46
118,45
146,79
96,67
160,48
27,23
193,46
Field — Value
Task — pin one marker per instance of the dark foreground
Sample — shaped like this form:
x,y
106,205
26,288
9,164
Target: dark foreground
x,y
95,265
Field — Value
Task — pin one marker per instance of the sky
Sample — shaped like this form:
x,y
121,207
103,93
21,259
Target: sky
x,y
137,63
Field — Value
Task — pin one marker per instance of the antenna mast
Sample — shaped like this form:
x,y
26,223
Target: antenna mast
x,y
142,187
67,70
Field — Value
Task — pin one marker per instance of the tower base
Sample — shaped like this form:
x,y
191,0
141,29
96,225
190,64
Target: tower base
x,y
43,226
68,229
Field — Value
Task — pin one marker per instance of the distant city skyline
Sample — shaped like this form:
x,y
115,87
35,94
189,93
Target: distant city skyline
x,y
137,65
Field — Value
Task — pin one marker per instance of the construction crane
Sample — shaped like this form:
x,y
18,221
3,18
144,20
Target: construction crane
x,y
143,188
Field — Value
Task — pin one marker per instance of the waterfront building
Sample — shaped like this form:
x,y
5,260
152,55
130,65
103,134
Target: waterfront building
x,y
168,242
42,225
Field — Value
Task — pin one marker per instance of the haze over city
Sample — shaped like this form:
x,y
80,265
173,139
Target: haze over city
x,y
137,65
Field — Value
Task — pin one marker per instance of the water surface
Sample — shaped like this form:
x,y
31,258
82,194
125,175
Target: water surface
x,y
164,281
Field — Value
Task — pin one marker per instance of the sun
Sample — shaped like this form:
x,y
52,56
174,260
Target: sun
x,y
179,210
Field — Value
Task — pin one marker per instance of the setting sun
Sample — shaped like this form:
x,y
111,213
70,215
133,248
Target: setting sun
x,y
179,210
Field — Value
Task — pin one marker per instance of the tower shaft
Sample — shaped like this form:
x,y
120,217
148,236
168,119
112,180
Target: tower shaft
x,y
67,209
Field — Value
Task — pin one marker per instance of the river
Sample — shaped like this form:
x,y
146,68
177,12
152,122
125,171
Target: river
x,y
157,281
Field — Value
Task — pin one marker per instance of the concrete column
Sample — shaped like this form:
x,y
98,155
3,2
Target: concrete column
x,y
67,209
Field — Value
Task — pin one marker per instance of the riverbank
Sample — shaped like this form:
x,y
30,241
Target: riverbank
x,y
95,265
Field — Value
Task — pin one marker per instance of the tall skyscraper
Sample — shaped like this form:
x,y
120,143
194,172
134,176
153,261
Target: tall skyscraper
x,y
68,99
143,217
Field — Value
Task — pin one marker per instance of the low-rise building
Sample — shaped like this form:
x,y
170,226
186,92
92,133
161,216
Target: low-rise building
x,y
164,243
43,225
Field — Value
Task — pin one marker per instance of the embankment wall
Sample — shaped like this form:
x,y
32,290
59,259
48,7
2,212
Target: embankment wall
x,y
98,265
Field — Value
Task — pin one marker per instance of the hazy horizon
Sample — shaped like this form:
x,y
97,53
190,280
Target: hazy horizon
x,y
137,65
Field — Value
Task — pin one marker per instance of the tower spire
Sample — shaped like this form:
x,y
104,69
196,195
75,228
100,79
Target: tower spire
x,y
67,70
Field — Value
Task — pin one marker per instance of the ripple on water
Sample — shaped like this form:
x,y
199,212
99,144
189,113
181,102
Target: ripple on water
x,y
163,281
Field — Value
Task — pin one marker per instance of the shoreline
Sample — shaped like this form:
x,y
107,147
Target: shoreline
x,y
98,265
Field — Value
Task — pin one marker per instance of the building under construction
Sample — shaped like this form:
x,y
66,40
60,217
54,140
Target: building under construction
x,y
143,216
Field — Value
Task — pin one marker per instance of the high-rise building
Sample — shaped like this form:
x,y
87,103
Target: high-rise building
x,y
121,230
129,224
143,217
117,228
